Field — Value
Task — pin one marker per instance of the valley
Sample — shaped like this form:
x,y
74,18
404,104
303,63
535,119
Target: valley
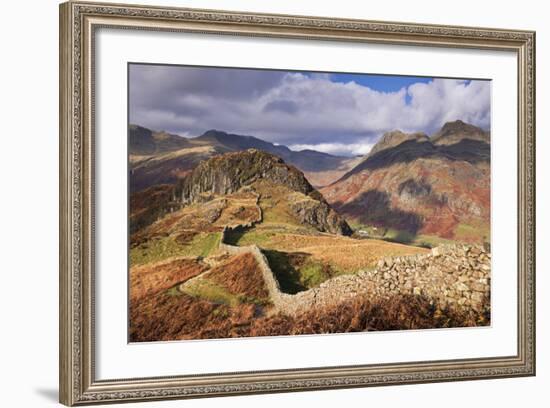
x,y
229,241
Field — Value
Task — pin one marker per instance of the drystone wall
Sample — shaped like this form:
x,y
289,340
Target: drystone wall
x,y
457,276
278,298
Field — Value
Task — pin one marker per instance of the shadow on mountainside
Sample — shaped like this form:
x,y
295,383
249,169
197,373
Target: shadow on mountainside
x,y
374,207
471,151
233,235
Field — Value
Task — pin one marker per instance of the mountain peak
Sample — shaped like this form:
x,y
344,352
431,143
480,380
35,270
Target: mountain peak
x,y
143,141
458,126
454,132
396,137
233,141
212,134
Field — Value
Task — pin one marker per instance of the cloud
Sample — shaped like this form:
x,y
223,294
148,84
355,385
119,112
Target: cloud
x,y
296,109
281,105
339,149
443,100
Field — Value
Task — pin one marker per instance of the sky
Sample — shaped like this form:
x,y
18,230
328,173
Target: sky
x,y
342,114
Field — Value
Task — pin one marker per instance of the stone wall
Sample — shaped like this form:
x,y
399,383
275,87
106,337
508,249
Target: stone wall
x,y
458,275
455,276
278,298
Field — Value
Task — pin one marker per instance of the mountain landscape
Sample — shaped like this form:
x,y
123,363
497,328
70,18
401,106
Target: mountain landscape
x,y
233,236
421,188
159,157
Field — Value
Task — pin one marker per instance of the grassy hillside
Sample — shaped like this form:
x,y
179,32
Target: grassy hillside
x,y
182,286
153,318
301,256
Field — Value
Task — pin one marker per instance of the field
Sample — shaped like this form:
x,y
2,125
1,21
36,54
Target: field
x,y
463,233
193,231
399,236
299,254
316,258
233,282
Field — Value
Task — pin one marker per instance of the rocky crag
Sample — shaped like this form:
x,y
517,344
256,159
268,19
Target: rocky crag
x,y
228,173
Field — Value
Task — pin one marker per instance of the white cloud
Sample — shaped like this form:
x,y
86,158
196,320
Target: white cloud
x,y
339,149
298,110
443,100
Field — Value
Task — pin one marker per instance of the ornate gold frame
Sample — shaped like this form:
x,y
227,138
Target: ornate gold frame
x,y
78,21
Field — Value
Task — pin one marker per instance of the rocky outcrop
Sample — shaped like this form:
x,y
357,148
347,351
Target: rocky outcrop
x,y
228,173
320,215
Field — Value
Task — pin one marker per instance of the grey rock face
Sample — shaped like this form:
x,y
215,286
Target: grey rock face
x,y
226,174
229,172
320,215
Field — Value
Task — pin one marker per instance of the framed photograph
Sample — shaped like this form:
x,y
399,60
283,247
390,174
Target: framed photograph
x,y
256,203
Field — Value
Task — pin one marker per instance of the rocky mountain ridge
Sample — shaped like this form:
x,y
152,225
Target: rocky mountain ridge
x,y
456,141
305,160
438,186
395,138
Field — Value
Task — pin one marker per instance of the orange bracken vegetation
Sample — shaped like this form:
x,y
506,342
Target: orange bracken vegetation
x,y
238,212
343,252
240,275
149,204
151,279
165,317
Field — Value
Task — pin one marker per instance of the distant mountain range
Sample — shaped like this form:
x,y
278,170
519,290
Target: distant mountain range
x,y
160,157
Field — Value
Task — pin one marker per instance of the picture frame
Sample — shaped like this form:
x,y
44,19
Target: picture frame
x,y
79,24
